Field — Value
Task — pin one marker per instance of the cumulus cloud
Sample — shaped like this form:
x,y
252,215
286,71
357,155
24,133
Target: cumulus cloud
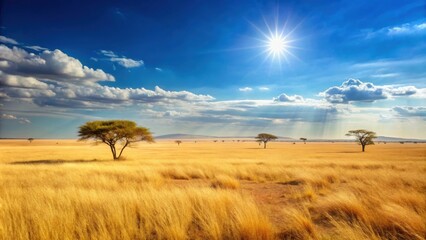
x,y
96,96
408,111
172,114
52,78
21,82
51,65
13,117
7,40
12,92
286,98
263,88
354,90
245,89
121,60
420,93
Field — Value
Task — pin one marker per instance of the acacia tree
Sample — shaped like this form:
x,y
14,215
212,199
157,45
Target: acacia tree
x,y
178,142
112,132
265,137
363,137
30,140
304,140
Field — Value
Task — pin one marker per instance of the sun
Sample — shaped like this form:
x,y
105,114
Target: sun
x,y
276,45
277,41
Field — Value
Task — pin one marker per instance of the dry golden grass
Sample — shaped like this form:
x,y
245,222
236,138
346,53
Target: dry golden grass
x,y
63,189
223,181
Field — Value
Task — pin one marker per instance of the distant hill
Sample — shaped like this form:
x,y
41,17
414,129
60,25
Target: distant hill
x,y
397,139
183,136
190,136
378,139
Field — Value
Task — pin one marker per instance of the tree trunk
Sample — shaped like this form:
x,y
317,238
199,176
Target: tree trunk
x,y
363,148
264,145
114,155
125,145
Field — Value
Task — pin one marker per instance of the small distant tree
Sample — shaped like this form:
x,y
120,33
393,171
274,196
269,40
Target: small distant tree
x,y
363,137
178,142
304,140
265,138
112,132
30,140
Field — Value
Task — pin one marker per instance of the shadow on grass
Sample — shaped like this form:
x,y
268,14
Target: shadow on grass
x,y
48,162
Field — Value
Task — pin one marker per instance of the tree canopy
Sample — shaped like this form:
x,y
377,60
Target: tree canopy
x,y
363,137
112,132
265,137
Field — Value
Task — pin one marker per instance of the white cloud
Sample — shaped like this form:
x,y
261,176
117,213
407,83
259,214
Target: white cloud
x,y
8,116
408,28
263,88
7,40
52,65
108,53
21,120
354,90
36,48
121,60
52,78
158,69
385,75
421,93
24,121
245,89
13,92
409,111
172,114
286,98
413,28
127,62
97,96
21,82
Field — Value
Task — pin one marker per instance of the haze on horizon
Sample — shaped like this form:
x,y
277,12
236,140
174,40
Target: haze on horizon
x,y
222,68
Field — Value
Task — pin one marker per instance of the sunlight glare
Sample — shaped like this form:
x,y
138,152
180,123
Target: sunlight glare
x,y
276,45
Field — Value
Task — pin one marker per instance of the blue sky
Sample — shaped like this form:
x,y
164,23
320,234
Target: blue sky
x,y
205,67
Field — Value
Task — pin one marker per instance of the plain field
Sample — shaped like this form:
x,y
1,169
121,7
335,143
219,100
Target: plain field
x,y
64,189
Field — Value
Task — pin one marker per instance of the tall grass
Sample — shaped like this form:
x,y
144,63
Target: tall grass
x,y
210,191
71,212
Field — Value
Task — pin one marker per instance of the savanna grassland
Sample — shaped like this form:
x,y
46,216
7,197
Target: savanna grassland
x,y
64,189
